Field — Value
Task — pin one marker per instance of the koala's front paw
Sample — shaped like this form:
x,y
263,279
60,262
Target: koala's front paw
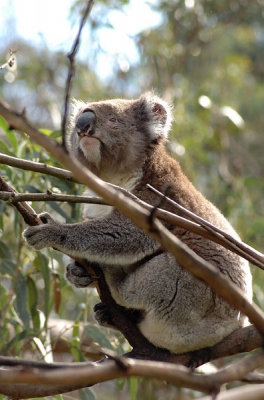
x,y
41,236
102,316
37,236
78,276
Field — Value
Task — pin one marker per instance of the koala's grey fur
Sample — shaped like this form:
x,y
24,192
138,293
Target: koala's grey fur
x,y
123,144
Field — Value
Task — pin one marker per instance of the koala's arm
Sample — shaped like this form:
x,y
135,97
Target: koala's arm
x,y
110,240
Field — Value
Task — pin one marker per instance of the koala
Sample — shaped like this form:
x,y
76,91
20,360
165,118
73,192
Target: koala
x,y
122,142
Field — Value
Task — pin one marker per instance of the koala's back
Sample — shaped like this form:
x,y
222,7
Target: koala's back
x,y
178,311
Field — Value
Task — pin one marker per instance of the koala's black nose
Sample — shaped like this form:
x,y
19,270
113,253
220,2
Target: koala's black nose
x,y
85,124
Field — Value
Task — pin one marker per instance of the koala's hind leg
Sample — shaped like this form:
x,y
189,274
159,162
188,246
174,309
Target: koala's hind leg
x,y
104,317
148,286
77,275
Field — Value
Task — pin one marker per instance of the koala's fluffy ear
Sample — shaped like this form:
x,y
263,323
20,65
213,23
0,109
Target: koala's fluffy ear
x,y
159,114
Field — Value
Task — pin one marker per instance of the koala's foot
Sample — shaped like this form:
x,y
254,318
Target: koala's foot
x,y
102,316
78,276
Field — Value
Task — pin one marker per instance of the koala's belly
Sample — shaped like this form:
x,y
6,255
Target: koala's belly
x,y
188,337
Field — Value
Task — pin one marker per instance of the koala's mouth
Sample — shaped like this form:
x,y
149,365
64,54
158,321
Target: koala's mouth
x,y
87,140
91,147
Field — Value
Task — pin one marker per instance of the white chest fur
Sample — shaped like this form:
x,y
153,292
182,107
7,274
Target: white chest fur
x,y
99,210
95,210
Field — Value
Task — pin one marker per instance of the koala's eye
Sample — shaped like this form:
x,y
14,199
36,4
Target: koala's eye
x,y
112,119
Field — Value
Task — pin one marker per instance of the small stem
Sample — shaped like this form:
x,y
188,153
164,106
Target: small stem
x,y
71,73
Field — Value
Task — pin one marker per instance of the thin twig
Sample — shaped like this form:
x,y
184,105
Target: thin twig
x,y
71,72
15,198
254,377
27,212
215,231
239,368
11,60
36,167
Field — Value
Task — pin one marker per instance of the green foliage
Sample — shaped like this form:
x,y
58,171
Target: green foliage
x,y
97,335
32,284
87,394
25,277
133,387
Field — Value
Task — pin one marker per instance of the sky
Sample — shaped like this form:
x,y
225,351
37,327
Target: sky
x,y
35,20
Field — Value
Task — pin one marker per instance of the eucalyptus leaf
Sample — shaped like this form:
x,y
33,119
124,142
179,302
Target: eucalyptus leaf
x,y
87,394
33,302
42,262
5,251
8,267
98,336
13,140
56,207
21,292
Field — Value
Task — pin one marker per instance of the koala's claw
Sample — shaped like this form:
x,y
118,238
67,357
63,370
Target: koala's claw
x,y
46,218
102,316
78,276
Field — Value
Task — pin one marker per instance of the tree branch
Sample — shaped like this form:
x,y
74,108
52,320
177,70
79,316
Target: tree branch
x,y
71,72
15,198
252,392
246,250
86,374
11,60
27,212
240,341
36,167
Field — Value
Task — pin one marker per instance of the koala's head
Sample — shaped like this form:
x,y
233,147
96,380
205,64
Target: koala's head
x,y
116,135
